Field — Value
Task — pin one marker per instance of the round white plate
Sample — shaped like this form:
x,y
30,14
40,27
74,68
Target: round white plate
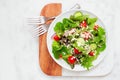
x,y
50,40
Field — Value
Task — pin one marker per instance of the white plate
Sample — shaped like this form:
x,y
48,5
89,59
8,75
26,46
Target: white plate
x,y
51,32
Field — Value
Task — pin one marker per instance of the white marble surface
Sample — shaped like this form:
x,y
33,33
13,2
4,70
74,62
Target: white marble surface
x,y
19,51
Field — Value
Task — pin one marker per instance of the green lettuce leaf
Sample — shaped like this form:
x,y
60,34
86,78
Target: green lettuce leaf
x,y
101,31
86,61
102,46
56,46
91,20
79,18
59,29
91,26
58,50
68,24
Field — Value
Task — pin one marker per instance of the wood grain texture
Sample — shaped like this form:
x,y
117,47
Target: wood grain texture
x,y
47,64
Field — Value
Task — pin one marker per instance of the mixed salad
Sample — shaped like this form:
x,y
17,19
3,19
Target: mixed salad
x,y
78,40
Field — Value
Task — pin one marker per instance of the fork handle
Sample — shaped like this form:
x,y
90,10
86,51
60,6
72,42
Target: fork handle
x,y
76,6
50,18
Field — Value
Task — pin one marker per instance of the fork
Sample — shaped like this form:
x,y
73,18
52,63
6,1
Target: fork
x,y
39,20
44,27
41,29
42,19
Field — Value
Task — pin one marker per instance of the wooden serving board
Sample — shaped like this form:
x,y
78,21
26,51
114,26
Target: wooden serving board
x,y
47,64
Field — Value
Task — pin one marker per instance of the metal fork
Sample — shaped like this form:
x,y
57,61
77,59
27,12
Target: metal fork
x,y
41,29
42,19
44,27
39,20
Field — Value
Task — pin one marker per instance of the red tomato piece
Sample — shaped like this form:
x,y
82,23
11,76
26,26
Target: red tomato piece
x,y
83,24
76,51
96,27
56,37
71,59
60,56
91,53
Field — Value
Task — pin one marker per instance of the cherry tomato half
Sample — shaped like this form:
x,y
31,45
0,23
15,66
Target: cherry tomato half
x,y
76,51
71,59
56,37
91,53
